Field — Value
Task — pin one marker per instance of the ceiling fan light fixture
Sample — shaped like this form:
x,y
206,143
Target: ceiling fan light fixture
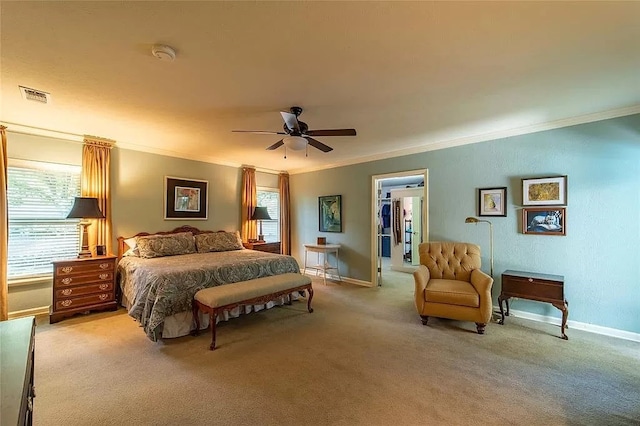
x,y
295,143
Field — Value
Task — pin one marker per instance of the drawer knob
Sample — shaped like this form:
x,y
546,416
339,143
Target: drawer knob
x,y
67,292
66,303
104,286
103,296
103,276
104,266
67,269
530,280
67,280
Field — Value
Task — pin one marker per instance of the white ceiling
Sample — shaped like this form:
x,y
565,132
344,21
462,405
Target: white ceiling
x,y
408,76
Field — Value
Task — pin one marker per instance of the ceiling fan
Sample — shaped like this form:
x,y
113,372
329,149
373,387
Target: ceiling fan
x,y
298,133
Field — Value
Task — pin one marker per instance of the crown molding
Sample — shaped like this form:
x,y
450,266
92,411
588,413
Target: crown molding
x,y
467,140
450,143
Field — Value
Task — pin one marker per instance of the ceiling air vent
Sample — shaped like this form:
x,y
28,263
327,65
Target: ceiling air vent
x,y
35,95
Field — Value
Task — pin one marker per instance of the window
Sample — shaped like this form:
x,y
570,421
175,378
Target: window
x,y
40,196
270,198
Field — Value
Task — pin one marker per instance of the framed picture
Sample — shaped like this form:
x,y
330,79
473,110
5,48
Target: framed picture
x,y
492,201
546,191
330,213
544,221
185,199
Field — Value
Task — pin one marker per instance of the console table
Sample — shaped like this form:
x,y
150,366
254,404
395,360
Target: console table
x,y
325,266
534,286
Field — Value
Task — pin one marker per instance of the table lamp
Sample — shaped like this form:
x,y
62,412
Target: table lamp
x,y
476,220
260,214
85,208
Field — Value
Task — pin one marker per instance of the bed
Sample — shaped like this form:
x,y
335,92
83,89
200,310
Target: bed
x,y
158,275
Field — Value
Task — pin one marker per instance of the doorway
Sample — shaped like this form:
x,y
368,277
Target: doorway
x,y
399,222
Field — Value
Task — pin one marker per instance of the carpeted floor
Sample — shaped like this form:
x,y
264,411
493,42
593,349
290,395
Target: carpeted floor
x,y
362,358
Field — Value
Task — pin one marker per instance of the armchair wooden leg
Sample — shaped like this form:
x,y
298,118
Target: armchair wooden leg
x,y
425,319
480,326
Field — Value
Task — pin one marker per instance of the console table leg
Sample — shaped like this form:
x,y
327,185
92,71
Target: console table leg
x,y
565,314
500,300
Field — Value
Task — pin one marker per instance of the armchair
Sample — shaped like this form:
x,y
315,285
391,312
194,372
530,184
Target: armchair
x,y
450,284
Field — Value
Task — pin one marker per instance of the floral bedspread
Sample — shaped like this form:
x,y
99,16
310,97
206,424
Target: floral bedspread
x,y
160,287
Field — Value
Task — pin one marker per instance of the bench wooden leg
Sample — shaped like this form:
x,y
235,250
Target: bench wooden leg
x,y
309,308
195,309
212,323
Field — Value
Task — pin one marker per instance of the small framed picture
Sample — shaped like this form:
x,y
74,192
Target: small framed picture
x,y
492,201
544,221
185,199
546,191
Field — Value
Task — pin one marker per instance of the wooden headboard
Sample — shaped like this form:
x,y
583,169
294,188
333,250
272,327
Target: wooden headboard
x,y
123,247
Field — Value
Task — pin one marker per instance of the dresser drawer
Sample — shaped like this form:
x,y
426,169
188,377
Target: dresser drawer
x,y
71,280
73,268
78,302
67,292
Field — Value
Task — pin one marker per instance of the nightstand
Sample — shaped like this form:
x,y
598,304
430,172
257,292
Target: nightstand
x,y
82,285
263,246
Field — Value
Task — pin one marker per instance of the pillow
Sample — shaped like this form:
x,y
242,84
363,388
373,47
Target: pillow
x,y
218,241
133,247
166,245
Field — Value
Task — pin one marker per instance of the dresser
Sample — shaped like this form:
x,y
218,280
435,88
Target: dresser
x,y
534,286
16,371
83,285
262,246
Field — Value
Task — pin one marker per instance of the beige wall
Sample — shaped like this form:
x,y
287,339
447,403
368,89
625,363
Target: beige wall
x,y
137,197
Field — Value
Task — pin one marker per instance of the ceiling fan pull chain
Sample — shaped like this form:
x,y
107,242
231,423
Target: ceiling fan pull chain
x,y
285,152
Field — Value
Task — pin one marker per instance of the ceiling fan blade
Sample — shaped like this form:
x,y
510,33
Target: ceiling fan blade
x,y
332,132
291,121
276,145
319,145
259,132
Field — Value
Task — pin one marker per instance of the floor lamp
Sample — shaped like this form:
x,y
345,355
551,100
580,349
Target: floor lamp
x,y
85,208
476,220
260,214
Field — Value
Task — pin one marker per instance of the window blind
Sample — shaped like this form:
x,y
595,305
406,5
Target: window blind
x,y
40,196
270,198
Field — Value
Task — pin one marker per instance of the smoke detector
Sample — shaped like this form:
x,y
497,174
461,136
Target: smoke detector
x,y
164,53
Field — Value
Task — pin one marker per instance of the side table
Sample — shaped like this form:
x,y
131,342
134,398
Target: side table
x,y
325,266
534,286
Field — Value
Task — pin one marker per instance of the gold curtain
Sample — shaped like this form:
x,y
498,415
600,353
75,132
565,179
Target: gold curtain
x,y
285,213
96,182
4,227
249,202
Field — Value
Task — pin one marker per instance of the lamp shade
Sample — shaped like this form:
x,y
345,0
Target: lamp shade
x,y
260,213
85,208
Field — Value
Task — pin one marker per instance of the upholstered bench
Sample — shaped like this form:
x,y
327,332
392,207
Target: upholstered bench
x,y
253,292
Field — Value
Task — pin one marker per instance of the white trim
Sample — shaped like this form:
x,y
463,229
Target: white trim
x,y
333,277
533,128
374,212
19,282
591,328
42,310
500,134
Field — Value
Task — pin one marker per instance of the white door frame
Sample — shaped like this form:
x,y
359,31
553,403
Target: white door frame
x,y
374,214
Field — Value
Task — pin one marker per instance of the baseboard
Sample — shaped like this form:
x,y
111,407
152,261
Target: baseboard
x,y
344,279
591,328
33,312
